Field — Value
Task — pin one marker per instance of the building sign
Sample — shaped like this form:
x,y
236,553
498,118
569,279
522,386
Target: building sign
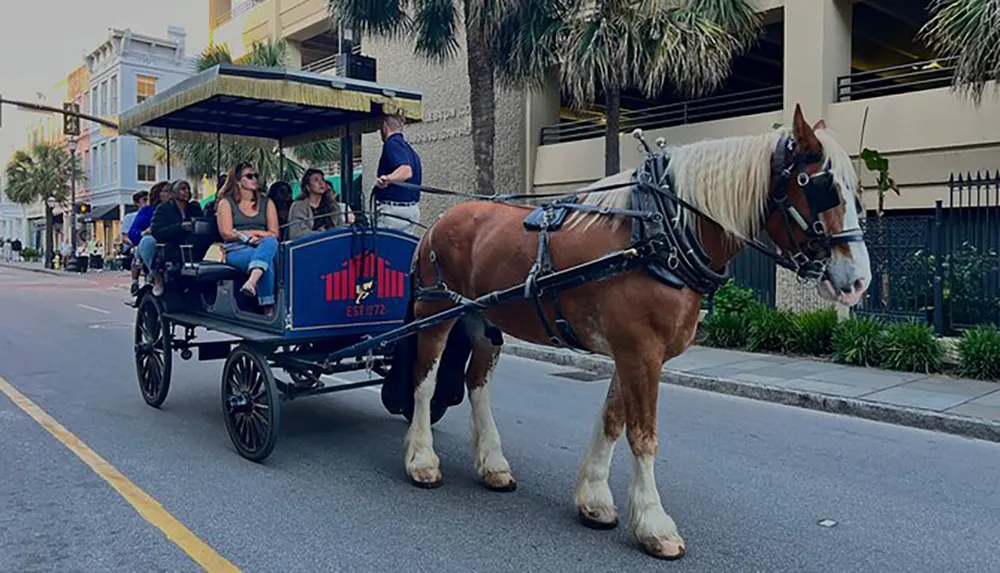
x,y
420,133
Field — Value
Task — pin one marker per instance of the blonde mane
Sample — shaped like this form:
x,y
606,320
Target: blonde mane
x,y
727,179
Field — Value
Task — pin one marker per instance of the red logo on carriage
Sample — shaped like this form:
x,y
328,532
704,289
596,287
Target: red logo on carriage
x,y
362,276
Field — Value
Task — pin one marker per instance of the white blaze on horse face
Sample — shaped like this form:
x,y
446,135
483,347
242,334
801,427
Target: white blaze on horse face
x,y
848,275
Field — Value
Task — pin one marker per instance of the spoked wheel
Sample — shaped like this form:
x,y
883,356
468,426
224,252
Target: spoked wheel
x,y
250,403
153,355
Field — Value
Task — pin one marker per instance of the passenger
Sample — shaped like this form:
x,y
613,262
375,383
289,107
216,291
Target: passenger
x,y
248,223
172,226
281,193
316,210
139,233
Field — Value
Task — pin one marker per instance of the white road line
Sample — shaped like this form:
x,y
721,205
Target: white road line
x,y
100,310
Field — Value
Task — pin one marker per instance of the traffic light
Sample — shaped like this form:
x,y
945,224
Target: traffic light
x,y
71,122
82,208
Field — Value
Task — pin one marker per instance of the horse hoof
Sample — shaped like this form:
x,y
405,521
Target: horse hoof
x,y
666,549
501,482
595,520
427,479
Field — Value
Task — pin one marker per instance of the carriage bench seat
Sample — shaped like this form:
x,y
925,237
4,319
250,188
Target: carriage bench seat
x,y
208,271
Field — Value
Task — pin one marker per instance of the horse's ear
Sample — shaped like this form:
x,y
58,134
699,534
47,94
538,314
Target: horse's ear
x,y
801,130
821,124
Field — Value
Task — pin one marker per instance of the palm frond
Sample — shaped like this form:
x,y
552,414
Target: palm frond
x,y
386,18
41,171
212,56
268,53
968,30
435,29
527,38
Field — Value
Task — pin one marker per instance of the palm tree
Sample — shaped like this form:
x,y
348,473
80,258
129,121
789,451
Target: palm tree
x,y
201,158
42,171
610,45
968,30
434,27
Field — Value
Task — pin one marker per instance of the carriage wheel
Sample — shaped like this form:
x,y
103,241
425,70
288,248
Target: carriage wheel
x,y
153,355
250,403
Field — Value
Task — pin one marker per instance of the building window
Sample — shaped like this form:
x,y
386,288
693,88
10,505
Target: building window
x,y
145,87
93,103
104,163
114,160
146,163
114,95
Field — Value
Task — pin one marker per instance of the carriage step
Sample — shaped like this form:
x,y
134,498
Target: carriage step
x,y
248,333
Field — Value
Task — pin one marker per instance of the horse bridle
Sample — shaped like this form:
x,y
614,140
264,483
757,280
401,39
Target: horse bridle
x,y
809,262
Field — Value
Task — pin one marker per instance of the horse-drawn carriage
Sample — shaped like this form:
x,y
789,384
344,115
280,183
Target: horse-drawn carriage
x,y
427,315
334,289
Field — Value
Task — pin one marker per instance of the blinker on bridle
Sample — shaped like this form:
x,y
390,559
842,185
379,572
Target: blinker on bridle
x,y
808,262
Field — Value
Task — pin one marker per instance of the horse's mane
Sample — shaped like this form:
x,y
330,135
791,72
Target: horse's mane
x,y
727,179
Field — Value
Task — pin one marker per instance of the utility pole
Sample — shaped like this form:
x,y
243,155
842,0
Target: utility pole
x,y
71,128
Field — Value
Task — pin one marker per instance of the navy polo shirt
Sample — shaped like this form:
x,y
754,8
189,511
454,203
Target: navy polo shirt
x,y
397,151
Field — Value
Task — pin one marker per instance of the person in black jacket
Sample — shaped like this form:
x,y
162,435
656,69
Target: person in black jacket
x,y
172,224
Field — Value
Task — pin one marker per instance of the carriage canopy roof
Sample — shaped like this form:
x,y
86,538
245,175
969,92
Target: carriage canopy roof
x,y
277,104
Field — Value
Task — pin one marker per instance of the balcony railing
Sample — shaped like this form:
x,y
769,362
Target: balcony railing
x,y
240,8
333,62
670,115
917,76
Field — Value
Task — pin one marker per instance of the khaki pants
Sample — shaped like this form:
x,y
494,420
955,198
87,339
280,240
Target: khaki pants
x,y
389,216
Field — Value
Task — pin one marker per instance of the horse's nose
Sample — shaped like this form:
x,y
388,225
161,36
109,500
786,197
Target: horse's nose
x,y
858,285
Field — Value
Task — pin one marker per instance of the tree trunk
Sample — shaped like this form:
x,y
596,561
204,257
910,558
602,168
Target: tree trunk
x,y
49,238
612,147
482,102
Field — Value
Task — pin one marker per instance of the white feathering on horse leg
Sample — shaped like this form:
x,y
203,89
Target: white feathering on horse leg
x,y
648,523
491,465
422,464
593,496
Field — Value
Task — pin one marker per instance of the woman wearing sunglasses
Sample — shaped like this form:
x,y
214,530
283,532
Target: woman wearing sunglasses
x,y
248,223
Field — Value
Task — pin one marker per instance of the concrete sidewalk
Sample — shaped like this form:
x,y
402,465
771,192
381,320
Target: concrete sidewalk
x,y
39,267
966,407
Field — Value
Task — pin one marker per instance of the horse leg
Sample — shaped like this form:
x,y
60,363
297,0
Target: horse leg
x,y
648,523
491,465
594,502
422,464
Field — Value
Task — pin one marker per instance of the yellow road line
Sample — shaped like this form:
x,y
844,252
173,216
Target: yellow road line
x,y
148,508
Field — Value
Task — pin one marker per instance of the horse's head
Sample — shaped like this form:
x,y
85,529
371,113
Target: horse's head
x,y
814,212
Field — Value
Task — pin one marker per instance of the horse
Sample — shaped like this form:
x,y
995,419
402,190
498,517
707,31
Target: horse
x,y
795,183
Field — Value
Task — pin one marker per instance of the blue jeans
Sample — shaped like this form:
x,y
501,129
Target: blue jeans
x,y
146,250
247,258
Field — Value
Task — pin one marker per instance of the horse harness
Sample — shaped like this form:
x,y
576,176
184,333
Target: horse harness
x,y
669,248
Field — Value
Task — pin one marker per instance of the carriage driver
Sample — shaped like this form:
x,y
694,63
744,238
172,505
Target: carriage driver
x,y
395,206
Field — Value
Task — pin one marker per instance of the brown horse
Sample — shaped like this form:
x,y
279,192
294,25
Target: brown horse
x,y
479,247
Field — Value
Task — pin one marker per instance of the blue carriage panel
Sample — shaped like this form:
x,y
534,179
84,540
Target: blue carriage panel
x,y
348,281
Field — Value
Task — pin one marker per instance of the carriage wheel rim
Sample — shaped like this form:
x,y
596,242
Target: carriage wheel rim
x,y
248,403
151,354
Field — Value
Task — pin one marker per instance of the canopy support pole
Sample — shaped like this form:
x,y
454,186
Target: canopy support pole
x,y
168,153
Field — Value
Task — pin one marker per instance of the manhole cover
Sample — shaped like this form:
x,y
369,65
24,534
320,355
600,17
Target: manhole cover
x,y
582,376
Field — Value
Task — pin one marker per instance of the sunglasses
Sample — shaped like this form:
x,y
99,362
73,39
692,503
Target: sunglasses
x,y
250,175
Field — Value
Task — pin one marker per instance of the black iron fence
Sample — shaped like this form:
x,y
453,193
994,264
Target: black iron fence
x,y
913,77
680,113
943,267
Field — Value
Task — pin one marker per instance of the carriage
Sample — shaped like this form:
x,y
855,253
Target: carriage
x,y
335,290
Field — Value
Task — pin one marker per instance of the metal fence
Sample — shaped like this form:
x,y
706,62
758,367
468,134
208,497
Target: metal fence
x,y
757,272
680,113
912,77
943,267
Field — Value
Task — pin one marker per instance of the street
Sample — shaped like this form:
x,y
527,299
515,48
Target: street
x,y
749,483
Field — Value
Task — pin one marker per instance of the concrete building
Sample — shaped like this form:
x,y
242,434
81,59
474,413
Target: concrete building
x,y
837,58
12,221
124,70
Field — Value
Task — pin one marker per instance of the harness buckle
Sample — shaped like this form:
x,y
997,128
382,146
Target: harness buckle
x,y
802,179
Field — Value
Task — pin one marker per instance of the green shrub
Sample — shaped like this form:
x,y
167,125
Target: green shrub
x,y
770,330
815,331
725,330
912,348
859,342
979,353
733,299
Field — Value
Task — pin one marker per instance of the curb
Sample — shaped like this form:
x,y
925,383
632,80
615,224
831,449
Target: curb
x,y
978,428
41,270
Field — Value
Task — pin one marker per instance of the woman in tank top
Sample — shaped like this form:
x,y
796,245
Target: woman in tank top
x,y
248,223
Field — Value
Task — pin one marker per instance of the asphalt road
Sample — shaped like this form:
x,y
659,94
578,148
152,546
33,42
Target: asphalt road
x,y
747,482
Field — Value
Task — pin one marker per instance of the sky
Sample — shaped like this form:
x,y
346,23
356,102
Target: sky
x,y
42,41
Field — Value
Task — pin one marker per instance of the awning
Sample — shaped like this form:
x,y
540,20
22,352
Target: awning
x,y
101,213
